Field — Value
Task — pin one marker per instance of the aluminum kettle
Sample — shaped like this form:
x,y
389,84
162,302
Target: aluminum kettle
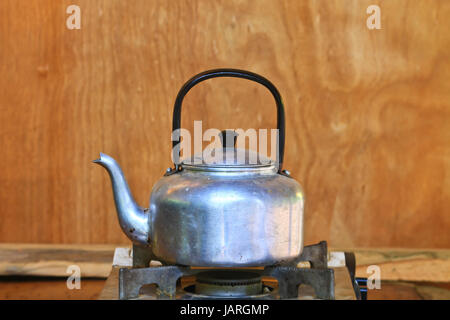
x,y
230,213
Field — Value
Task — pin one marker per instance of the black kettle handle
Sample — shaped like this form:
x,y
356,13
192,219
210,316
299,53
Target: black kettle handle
x,y
176,124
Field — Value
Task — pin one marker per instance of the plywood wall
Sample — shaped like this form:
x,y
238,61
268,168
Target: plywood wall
x,y
368,111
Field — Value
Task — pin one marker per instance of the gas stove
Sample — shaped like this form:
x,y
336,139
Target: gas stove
x,y
307,277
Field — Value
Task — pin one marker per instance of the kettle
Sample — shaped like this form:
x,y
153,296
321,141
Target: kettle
x,y
229,213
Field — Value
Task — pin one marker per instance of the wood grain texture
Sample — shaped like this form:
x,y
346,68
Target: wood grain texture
x,y
404,264
400,290
28,288
368,111
96,261
45,288
54,260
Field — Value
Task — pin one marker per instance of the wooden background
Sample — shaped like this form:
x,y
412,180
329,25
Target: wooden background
x,y
368,111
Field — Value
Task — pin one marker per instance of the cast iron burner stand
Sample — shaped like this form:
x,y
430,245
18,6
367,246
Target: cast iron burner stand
x,y
289,276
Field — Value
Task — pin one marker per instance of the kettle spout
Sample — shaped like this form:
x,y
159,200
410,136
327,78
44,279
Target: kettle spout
x,y
133,219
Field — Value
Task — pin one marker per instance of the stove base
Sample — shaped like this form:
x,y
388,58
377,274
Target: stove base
x,y
288,275
289,279
343,287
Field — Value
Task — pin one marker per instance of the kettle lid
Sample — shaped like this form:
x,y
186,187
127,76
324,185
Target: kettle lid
x,y
227,158
223,158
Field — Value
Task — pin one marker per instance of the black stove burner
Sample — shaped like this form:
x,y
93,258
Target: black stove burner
x,y
231,283
228,283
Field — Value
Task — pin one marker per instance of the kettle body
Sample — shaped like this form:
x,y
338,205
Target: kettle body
x,y
227,213
226,218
